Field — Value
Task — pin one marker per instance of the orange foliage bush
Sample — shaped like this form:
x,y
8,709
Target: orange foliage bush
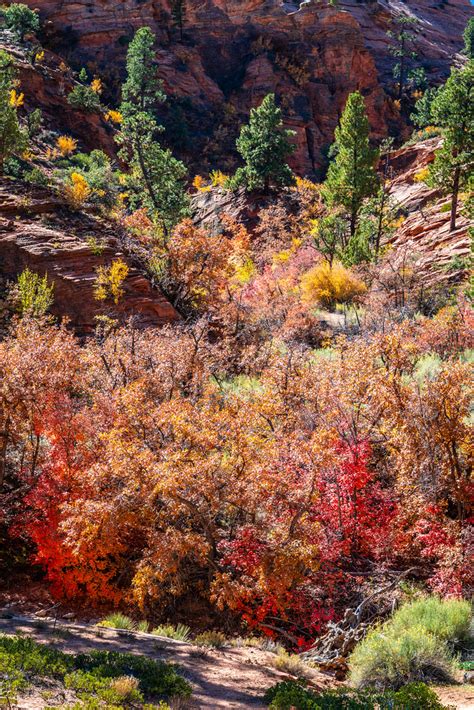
x,y
146,476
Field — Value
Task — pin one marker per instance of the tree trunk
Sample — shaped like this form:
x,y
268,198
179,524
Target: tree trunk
x,y
402,69
454,199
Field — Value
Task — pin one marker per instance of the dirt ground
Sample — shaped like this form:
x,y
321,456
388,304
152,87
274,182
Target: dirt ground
x,y
459,696
224,678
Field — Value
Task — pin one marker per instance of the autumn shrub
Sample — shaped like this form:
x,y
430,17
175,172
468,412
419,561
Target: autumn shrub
x,y
109,281
77,190
126,688
66,145
113,116
180,632
328,285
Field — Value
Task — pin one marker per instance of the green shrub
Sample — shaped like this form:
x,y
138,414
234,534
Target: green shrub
x,y
213,639
180,632
34,294
97,169
447,619
156,677
37,177
293,695
414,645
21,19
417,696
101,679
83,98
388,658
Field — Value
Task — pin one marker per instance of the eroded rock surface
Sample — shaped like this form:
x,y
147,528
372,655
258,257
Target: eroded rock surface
x,y
425,233
38,231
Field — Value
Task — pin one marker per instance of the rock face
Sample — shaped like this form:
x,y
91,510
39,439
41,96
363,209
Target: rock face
x,y
236,51
439,253
46,86
38,231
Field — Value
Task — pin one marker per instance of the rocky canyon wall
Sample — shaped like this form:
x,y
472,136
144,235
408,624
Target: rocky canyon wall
x,y
233,52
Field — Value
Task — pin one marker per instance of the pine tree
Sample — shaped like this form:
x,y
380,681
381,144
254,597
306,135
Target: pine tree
x,y
156,179
421,116
142,89
351,176
403,36
453,112
12,138
264,145
178,13
469,39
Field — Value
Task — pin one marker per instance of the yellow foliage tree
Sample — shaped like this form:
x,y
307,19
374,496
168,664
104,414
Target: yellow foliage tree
x,y
78,191
96,86
113,116
110,280
328,286
66,145
17,99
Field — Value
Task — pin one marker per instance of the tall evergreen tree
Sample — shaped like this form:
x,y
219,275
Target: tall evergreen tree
x,y
453,111
156,178
422,115
142,90
12,138
178,13
264,145
469,39
351,176
403,35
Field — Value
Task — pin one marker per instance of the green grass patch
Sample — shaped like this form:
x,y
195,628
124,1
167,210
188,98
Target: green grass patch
x,y
98,679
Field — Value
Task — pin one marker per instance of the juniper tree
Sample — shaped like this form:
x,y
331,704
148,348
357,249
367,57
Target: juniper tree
x,y
12,138
453,112
351,176
264,144
21,19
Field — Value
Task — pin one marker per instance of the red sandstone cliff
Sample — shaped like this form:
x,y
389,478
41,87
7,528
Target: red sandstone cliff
x,y
38,231
236,51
